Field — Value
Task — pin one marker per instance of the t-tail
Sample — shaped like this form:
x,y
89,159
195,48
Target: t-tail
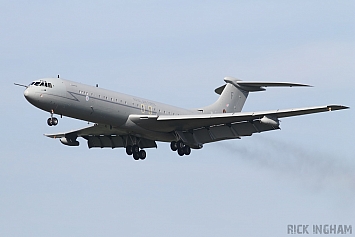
x,y
235,92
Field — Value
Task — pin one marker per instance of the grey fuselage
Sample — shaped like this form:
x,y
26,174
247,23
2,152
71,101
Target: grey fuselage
x,y
97,105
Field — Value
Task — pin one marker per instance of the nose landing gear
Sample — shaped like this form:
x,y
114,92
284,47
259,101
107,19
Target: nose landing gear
x,y
52,121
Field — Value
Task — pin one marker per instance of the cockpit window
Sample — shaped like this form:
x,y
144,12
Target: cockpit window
x,y
42,83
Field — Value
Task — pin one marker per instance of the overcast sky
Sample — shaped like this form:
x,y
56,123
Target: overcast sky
x,y
178,53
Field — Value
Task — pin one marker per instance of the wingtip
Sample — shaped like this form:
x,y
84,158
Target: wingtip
x,y
337,107
51,136
304,85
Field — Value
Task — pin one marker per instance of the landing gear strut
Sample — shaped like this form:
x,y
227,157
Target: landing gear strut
x,y
52,121
180,147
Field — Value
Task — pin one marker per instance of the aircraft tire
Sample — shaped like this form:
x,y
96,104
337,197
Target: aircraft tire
x,y
142,154
187,150
173,146
181,152
49,122
54,121
136,155
129,150
135,149
180,144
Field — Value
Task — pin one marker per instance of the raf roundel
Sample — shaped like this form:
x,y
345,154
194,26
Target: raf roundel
x,y
87,98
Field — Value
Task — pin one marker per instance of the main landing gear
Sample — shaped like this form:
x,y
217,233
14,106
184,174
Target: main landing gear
x,y
180,147
52,121
136,152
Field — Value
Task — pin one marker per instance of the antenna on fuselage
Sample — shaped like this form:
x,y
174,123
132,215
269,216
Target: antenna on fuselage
x,y
58,75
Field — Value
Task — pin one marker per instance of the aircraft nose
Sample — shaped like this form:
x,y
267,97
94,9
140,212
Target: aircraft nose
x,y
26,93
29,95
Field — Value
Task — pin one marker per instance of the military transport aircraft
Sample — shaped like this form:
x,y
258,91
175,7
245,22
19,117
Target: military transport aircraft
x,y
135,123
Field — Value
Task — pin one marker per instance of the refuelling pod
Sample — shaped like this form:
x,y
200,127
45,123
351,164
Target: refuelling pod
x,y
270,120
69,142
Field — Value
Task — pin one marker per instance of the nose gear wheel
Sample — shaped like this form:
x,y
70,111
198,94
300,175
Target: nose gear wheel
x,y
52,121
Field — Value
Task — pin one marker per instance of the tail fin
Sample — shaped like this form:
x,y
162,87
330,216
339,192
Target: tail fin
x,y
235,92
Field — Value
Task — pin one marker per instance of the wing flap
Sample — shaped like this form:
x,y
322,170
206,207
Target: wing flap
x,y
105,136
94,130
223,132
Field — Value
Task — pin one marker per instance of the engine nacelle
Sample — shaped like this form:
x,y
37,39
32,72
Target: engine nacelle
x,y
69,142
269,120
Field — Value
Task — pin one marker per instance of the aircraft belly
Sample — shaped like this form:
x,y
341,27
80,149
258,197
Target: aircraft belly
x,y
132,129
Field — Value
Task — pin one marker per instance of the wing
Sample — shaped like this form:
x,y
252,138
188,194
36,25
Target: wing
x,y
168,123
102,136
204,128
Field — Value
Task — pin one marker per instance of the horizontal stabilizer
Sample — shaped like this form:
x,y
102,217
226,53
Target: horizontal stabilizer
x,y
269,84
255,85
